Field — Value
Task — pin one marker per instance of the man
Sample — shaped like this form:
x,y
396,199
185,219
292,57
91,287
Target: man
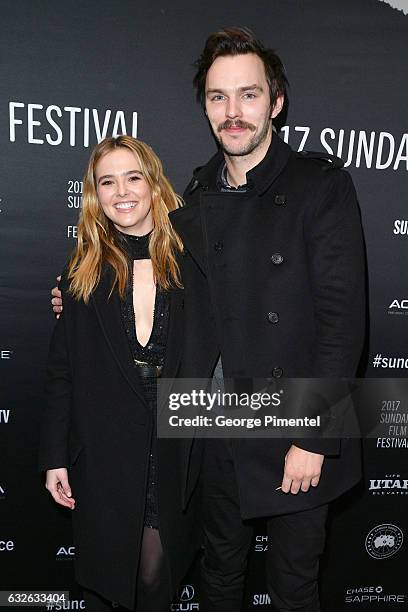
x,y
274,286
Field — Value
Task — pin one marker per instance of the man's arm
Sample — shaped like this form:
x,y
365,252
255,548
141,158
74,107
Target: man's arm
x,y
56,301
337,271
336,261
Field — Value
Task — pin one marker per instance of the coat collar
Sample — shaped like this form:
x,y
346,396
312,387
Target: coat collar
x,y
272,165
187,221
260,177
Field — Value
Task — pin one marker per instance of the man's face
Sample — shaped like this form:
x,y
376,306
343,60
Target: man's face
x,y
237,103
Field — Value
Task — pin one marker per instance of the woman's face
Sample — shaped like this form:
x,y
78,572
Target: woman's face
x,y
123,192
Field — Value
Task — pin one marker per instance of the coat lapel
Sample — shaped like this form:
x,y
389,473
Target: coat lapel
x,y
175,334
110,319
187,223
173,349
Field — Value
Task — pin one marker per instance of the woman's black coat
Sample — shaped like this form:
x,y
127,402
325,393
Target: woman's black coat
x,y
274,279
97,423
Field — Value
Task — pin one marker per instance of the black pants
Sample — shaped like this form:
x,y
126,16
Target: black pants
x,y
296,542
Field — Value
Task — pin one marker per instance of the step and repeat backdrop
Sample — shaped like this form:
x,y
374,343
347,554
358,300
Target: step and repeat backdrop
x,y
73,72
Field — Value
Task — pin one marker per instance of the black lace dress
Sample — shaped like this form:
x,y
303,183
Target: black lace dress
x,y
152,354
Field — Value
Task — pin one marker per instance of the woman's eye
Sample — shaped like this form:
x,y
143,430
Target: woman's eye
x,y
134,178
107,183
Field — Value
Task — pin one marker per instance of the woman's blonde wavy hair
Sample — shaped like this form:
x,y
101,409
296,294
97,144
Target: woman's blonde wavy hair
x,y
97,235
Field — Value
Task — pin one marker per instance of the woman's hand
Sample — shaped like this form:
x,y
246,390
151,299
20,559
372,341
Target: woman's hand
x,y
58,485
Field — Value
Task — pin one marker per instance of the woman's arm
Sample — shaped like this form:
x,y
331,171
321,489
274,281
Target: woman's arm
x,y
56,418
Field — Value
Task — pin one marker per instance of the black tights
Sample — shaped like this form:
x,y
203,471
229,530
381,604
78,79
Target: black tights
x,y
152,585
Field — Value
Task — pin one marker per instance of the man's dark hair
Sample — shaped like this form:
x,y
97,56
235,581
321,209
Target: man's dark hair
x,y
239,41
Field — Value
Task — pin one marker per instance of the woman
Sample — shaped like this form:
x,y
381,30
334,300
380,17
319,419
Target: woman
x,y
120,329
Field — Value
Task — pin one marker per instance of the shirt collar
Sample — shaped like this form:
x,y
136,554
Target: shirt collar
x,y
222,181
261,177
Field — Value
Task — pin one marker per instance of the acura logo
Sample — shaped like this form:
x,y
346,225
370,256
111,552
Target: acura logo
x,y
403,304
185,592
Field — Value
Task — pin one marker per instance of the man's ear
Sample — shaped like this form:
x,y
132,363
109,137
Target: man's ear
x,y
277,106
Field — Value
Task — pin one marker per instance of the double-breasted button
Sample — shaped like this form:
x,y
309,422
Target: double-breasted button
x,y
273,317
218,246
280,199
277,259
277,372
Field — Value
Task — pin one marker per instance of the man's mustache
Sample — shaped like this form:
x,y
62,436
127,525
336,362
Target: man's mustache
x,y
237,123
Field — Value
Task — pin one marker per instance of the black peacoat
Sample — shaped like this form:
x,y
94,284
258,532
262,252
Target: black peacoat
x,y
274,280
97,423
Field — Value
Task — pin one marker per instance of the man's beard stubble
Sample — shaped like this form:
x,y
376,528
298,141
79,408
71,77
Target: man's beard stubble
x,y
254,142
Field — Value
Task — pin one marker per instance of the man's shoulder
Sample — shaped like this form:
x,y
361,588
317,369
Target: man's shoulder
x,y
318,160
319,169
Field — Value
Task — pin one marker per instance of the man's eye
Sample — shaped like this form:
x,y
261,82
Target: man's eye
x,y
217,98
249,96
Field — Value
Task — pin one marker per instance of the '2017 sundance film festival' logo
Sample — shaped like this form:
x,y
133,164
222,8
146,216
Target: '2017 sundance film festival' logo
x,y
52,125
392,430
70,604
261,599
400,227
384,541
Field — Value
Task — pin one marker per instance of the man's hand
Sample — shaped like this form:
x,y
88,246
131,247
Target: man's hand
x,y
56,300
57,484
302,470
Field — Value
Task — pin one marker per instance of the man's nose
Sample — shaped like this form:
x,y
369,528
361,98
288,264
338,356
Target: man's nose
x,y
233,108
